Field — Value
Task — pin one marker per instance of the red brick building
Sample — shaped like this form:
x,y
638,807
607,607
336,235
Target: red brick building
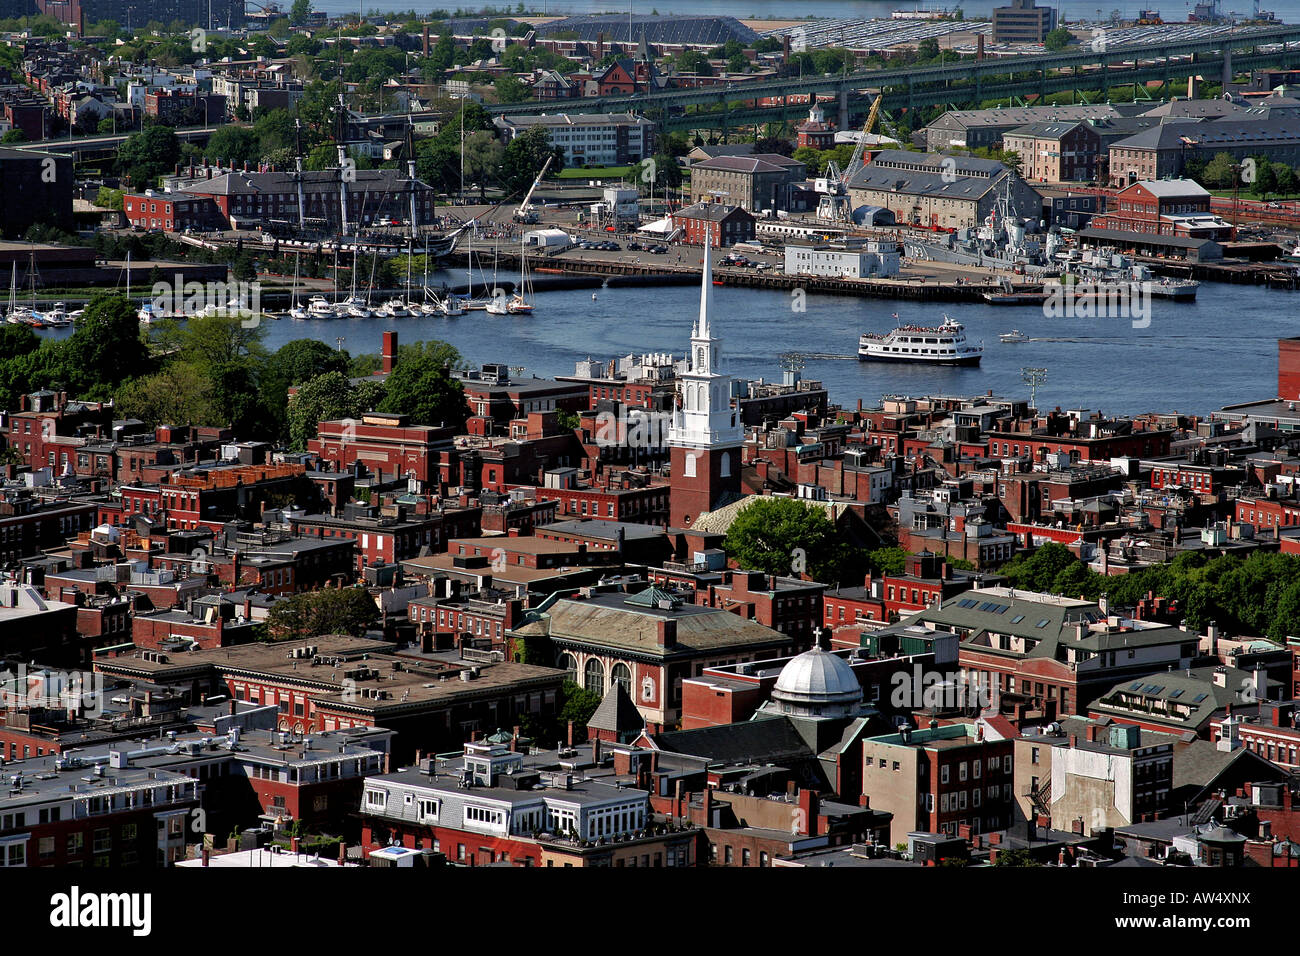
x,y
721,225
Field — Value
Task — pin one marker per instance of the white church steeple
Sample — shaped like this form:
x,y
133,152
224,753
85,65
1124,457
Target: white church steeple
x,y
705,417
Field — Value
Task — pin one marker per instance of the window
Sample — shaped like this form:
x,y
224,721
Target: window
x,y
594,676
620,675
15,854
569,664
376,799
76,843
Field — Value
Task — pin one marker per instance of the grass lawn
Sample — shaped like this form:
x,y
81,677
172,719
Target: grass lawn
x,y
595,172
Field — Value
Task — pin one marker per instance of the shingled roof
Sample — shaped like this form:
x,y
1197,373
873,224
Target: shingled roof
x,y
617,713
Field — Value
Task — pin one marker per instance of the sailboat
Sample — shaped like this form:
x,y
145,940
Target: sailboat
x,y
517,304
354,305
296,311
430,304
17,314
30,316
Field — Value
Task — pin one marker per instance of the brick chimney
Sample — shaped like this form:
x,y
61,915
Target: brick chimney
x,y
666,633
389,351
569,737
809,805
343,852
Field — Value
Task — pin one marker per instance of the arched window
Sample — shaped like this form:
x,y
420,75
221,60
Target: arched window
x,y
569,664
620,674
595,681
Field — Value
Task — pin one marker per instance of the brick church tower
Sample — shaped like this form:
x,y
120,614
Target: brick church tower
x,y
705,436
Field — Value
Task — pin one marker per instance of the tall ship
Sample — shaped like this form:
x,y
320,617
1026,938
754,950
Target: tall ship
x,y
942,345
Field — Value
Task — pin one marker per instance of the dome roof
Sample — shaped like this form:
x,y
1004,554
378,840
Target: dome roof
x,y
817,677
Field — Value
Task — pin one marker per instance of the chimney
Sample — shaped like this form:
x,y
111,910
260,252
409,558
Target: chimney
x,y
569,736
389,351
595,750
343,852
809,806
666,632
295,845
203,855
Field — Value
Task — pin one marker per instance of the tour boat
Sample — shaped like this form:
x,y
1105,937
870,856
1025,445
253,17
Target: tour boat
x,y
1015,335
942,345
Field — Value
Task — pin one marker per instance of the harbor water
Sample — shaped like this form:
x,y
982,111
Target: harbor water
x,y
1191,357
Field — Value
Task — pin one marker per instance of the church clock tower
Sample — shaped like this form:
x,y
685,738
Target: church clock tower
x,y
705,436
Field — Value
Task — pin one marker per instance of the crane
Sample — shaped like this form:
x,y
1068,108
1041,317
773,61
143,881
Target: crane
x,y
834,205
526,211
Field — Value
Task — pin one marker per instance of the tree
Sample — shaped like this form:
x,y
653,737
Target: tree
x,y
212,340
1013,161
659,172
421,387
483,159
179,394
14,135
109,198
328,611
788,536
326,397
1265,181
234,144
1220,171
738,63
774,144
299,12
693,61
510,90
523,160
148,154
106,348
1286,182
1058,39
927,49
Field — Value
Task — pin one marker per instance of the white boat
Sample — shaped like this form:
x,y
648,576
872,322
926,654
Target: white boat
x,y
299,312
148,315
942,345
318,307
354,307
451,304
57,317
1015,335
394,309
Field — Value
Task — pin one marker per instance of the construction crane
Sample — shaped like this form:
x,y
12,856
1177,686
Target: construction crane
x,y
834,205
527,212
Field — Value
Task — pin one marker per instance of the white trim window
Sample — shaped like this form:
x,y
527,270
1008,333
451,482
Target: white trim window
x,y
376,799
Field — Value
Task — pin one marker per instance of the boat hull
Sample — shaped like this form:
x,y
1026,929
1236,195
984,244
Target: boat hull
x,y
965,360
